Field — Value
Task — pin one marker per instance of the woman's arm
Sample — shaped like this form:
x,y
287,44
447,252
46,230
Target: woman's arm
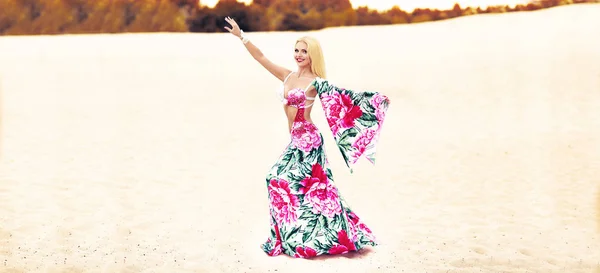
x,y
277,71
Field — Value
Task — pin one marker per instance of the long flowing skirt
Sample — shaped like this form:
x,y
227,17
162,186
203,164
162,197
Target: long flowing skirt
x,y
309,217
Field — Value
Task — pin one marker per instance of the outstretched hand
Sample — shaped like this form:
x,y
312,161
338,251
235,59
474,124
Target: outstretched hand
x,y
235,29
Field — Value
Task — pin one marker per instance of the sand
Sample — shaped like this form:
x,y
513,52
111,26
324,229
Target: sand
x,y
148,152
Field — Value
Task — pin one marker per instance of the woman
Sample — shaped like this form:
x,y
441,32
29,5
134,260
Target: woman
x,y
308,215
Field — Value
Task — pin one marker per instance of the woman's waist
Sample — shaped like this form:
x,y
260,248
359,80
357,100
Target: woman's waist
x,y
299,127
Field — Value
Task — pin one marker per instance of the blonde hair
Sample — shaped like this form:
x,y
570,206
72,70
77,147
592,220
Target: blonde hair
x,y
315,53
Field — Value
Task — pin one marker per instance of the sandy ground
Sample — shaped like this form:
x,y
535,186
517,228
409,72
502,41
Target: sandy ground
x,y
147,153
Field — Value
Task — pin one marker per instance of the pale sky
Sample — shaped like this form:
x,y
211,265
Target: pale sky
x,y
409,5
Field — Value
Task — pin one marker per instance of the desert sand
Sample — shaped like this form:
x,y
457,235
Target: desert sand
x,y
148,152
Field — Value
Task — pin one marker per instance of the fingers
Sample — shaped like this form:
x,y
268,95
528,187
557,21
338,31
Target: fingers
x,y
228,29
231,21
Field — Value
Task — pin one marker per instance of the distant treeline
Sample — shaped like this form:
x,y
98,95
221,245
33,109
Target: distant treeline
x,y
31,17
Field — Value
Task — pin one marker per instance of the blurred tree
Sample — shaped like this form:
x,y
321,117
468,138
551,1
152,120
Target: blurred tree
x,y
186,3
314,19
18,17
264,3
92,14
397,16
205,20
469,11
456,11
29,11
293,21
532,6
256,19
12,16
114,17
366,16
421,15
232,8
349,17
158,15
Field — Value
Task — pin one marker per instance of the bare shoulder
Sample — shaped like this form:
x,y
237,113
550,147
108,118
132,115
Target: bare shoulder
x,y
284,73
310,89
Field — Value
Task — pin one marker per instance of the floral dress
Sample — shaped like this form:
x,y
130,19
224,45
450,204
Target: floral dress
x,y
308,215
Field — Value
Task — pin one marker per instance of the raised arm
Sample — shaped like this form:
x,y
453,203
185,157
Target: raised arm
x,y
277,71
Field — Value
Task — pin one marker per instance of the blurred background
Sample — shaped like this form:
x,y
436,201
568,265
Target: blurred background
x,y
31,17
147,152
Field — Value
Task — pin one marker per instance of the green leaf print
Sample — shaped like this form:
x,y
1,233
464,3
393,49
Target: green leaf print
x,y
296,179
368,120
331,235
310,157
344,222
307,214
300,198
323,221
321,247
366,106
306,168
355,96
368,117
288,234
321,158
299,155
329,174
310,230
288,248
347,135
321,86
365,241
286,162
343,149
336,223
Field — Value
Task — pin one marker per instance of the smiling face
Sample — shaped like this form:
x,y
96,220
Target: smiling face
x,y
301,54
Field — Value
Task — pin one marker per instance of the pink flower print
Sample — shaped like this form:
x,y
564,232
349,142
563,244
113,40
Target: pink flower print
x,y
361,143
277,247
340,111
344,245
376,102
352,226
351,113
364,228
296,96
355,225
284,203
320,194
305,136
305,252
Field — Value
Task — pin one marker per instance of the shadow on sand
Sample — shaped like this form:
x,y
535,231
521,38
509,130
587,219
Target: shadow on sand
x,y
355,255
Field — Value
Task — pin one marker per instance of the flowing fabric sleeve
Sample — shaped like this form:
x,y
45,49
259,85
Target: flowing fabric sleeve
x,y
355,119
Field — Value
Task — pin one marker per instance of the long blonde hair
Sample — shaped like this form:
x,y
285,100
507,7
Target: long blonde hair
x,y
315,53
